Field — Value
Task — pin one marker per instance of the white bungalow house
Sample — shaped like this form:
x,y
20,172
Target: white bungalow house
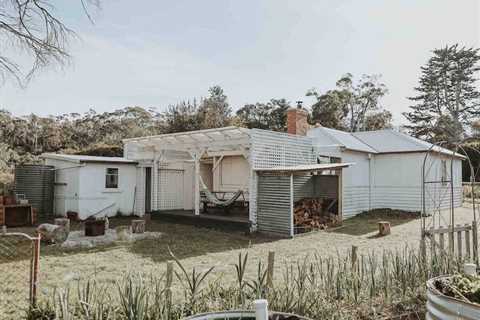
x,y
362,171
266,172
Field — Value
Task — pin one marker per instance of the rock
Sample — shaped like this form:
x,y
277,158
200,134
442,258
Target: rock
x,y
124,233
52,233
63,222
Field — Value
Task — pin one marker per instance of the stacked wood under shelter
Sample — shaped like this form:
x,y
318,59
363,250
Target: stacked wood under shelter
x,y
316,213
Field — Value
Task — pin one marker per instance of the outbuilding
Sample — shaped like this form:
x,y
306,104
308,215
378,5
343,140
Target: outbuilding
x,y
92,186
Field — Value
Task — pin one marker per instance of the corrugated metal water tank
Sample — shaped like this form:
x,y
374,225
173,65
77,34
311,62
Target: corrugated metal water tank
x,y
36,182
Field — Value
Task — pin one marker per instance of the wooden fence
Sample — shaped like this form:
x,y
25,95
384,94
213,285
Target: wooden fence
x,y
460,240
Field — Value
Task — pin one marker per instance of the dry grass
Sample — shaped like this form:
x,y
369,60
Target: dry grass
x,y
201,248
186,241
367,222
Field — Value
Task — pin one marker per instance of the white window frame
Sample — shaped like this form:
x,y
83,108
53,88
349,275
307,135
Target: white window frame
x,y
112,174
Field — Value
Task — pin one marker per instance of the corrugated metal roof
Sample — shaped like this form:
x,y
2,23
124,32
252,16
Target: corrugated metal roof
x,y
391,141
82,158
306,167
380,141
344,139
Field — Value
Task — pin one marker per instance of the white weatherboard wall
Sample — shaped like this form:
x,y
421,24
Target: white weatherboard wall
x,y
95,198
398,181
81,188
356,183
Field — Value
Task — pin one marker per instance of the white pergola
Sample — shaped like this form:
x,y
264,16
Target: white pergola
x,y
215,143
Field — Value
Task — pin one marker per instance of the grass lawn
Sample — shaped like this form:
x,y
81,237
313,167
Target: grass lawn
x,y
183,240
367,222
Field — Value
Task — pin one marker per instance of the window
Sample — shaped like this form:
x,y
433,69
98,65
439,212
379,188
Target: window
x,y
111,178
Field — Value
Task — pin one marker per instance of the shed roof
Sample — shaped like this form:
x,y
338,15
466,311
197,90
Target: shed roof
x,y
306,167
82,159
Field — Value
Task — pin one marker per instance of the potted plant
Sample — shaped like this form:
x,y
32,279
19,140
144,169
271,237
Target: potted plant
x,y
454,297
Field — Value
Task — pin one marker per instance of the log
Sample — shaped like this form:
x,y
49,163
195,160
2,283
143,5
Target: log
x,y
138,226
383,228
52,233
124,233
63,222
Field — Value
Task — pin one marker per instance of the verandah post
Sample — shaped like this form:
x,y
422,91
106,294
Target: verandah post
x,y
197,183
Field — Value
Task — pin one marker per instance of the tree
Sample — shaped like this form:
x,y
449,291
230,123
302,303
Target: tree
x,y
330,109
447,100
214,111
181,117
32,28
378,120
352,106
271,115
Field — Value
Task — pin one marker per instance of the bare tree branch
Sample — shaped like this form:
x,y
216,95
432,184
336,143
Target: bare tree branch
x,y
31,29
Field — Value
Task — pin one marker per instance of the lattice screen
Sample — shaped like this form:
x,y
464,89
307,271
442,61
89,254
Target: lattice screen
x,y
170,184
272,149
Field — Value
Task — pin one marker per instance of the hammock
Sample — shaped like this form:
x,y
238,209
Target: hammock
x,y
218,202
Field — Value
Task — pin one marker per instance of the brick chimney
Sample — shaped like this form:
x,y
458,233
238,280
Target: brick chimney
x,y
297,120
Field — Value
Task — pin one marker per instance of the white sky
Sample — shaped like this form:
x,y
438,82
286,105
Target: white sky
x,y
154,53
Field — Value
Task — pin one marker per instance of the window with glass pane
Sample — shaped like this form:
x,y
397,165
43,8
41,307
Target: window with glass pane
x,y
111,179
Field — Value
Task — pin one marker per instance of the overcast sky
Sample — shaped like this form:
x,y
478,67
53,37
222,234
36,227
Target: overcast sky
x,y
155,53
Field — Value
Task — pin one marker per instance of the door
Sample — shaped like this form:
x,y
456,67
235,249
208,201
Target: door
x,y
170,189
148,190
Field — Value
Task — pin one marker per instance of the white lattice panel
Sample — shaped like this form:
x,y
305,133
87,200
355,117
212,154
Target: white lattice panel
x,y
170,189
272,149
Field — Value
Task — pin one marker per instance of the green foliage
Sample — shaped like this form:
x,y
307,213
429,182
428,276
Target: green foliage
x,y
214,111
352,106
447,100
270,116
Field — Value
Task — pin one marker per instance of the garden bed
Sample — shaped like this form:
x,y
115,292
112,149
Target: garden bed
x,y
453,297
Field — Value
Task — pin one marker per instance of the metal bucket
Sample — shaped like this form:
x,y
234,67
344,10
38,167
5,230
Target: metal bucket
x,y
243,315
441,307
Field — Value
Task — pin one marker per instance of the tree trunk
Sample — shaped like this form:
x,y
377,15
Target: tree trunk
x,y
383,228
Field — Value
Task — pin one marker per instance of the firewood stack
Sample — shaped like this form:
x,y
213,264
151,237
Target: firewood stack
x,y
311,213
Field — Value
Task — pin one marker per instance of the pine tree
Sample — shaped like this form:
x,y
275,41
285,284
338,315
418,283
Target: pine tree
x,y
447,101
